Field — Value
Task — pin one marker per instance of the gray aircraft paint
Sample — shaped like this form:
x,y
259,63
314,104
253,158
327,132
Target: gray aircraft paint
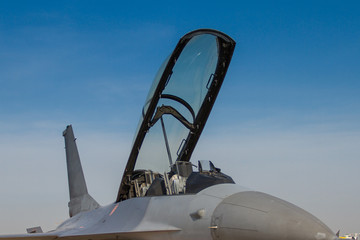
x,y
80,200
218,212
228,212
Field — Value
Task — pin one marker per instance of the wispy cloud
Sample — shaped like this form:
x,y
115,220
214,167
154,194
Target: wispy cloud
x,y
313,169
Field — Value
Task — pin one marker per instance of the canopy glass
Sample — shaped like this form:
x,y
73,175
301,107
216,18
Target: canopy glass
x,y
176,109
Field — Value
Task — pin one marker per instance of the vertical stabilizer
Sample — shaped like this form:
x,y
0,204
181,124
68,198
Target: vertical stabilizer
x,y
80,200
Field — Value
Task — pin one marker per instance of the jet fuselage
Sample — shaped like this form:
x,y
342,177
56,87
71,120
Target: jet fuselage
x,y
219,212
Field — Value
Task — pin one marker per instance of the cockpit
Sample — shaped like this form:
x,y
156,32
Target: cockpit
x,y
180,180
173,117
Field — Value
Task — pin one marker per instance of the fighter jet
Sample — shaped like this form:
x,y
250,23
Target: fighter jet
x,y
164,193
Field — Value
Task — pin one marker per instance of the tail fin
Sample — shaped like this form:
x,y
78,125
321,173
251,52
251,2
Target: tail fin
x,y
80,200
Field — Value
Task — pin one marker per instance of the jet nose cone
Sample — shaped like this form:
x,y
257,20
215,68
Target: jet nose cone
x,y
255,215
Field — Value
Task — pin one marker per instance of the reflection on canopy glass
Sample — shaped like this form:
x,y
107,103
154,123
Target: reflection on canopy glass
x,y
183,96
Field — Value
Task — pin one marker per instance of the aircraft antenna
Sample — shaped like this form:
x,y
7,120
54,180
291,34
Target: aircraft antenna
x,y
80,200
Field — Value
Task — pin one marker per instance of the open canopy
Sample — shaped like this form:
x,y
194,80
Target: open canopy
x,y
178,104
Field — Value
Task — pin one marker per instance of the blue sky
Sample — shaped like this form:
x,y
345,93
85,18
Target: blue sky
x,y
287,115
